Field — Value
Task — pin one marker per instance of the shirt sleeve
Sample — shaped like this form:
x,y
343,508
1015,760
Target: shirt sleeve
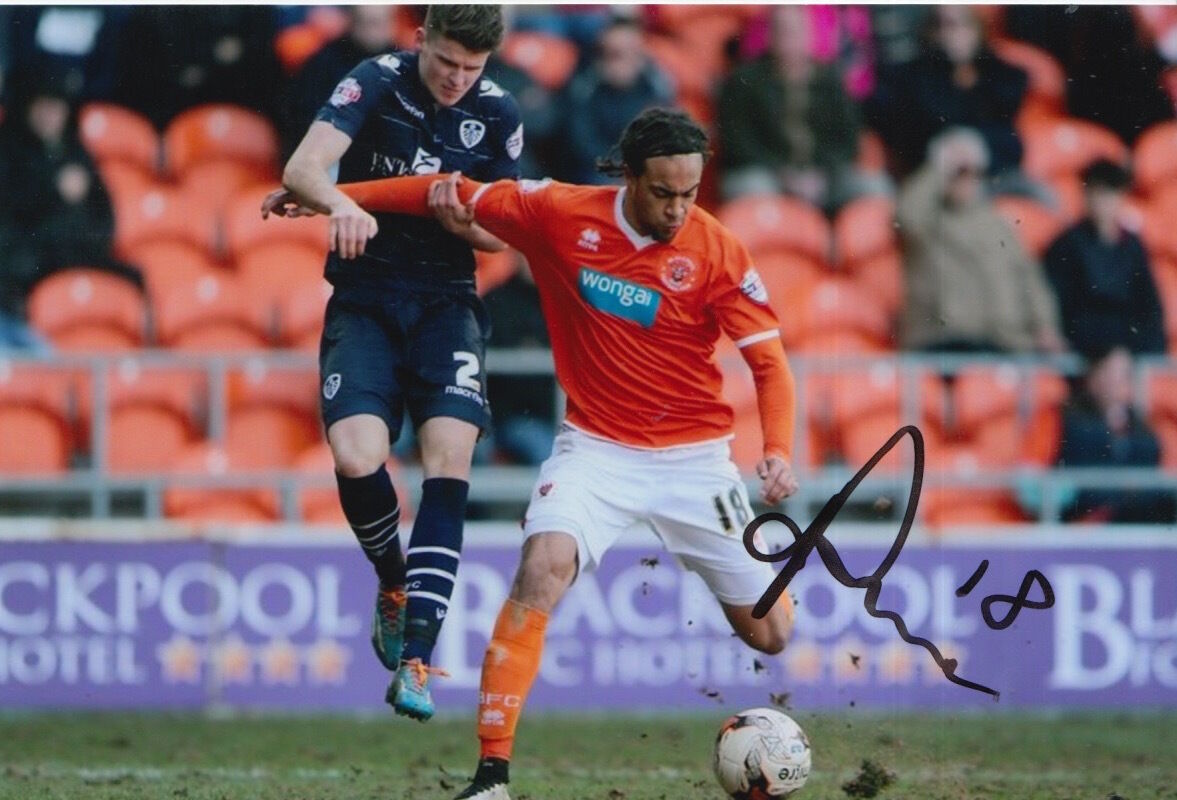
x,y
508,144
739,298
515,211
353,98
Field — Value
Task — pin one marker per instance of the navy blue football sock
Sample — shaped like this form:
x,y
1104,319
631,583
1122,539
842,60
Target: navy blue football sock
x,y
434,552
372,510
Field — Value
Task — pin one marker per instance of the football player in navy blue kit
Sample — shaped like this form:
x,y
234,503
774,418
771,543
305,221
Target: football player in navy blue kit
x,y
404,327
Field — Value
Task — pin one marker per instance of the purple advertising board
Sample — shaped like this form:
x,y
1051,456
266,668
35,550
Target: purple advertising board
x,y
192,623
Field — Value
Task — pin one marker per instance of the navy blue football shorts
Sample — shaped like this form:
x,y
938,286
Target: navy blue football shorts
x,y
418,348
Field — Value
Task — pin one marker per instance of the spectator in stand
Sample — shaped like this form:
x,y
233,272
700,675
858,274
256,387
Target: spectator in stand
x,y
55,210
604,96
958,82
369,33
79,42
1113,74
524,405
539,110
174,57
1102,428
788,125
971,287
1106,294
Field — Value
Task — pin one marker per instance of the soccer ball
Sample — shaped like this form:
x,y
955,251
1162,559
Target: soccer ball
x,y
760,754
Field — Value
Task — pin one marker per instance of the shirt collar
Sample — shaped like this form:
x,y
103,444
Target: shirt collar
x,y
636,239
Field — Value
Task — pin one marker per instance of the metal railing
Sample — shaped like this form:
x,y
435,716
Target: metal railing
x,y
494,484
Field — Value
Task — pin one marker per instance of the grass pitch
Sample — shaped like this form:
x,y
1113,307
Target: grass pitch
x,y
192,757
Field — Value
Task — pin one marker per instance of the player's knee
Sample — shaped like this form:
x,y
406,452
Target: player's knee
x,y
545,573
447,447
355,459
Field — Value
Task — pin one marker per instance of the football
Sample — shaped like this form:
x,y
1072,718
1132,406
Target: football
x,y
761,753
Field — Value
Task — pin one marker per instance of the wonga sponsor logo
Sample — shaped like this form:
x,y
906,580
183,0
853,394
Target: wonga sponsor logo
x,y
618,297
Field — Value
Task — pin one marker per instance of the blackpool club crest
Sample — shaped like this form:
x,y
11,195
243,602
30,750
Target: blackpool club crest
x,y
679,274
471,132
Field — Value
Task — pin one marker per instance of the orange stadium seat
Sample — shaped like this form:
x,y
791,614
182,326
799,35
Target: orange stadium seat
x,y
114,133
272,414
548,60
35,419
1054,146
297,43
1162,413
1035,224
217,180
204,459
209,314
1070,195
270,274
245,229
1047,91
165,263
153,414
219,131
989,404
124,181
771,222
882,278
867,406
950,506
872,153
492,270
300,316
159,214
835,304
1155,157
1157,229
87,309
787,276
321,506
863,229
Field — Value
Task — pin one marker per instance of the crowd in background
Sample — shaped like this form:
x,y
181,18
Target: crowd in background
x,y
789,107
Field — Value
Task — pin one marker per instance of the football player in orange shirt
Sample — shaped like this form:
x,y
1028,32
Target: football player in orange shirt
x,y
636,285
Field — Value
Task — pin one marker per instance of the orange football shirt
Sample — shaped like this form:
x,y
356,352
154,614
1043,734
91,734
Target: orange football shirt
x,y
633,322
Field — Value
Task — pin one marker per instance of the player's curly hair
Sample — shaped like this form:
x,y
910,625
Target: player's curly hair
x,y
652,133
478,28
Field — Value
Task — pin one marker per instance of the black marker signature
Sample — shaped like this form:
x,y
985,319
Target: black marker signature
x,y
804,543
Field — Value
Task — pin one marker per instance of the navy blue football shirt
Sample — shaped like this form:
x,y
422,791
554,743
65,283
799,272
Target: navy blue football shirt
x,y
397,129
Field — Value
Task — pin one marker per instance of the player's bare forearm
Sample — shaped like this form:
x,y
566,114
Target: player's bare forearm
x,y
483,240
307,174
312,187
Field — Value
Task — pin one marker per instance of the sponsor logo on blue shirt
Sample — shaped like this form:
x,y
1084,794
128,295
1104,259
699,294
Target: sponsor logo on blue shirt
x,y
620,298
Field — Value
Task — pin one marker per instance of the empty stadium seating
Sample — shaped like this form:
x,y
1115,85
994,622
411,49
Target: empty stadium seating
x,y
89,310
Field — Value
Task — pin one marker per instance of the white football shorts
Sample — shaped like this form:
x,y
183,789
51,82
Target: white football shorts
x,y
692,497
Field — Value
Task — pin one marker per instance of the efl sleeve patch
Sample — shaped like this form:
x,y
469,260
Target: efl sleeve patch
x,y
515,143
347,92
753,287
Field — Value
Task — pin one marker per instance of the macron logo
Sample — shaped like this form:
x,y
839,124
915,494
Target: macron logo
x,y
624,299
590,239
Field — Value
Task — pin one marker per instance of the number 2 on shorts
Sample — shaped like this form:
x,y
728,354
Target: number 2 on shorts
x,y
467,375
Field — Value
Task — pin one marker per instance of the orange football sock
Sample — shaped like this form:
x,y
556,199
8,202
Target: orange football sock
x,y
508,670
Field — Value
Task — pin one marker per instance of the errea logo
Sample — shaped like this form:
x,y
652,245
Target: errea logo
x,y
590,239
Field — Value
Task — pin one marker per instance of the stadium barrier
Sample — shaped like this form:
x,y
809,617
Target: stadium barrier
x,y
1045,488
163,615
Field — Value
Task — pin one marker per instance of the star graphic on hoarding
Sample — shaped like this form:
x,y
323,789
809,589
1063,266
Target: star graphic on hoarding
x,y
233,660
179,658
803,660
896,664
327,661
279,662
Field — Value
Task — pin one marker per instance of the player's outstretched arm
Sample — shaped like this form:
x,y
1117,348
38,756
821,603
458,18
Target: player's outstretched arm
x,y
307,177
776,400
